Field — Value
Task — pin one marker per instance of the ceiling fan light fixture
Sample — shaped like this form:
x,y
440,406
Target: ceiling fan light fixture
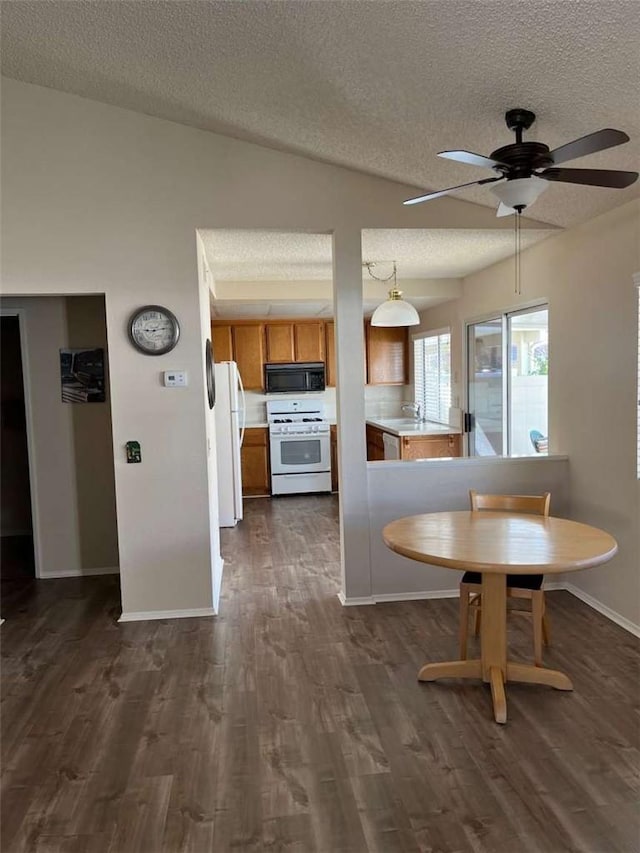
x,y
520,192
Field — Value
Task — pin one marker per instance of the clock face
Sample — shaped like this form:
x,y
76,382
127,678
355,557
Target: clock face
x,y
154,330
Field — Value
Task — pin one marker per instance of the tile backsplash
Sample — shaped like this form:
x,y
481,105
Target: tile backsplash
x,y
381,401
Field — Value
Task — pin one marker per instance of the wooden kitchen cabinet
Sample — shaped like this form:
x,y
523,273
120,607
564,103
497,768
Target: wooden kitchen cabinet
x,y
280,345
308,341
334,458
430,446
249,353
295,341
222,341
387,355
255,462
330,353
375,444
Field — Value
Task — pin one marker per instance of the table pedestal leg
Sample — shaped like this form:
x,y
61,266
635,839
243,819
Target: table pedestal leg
x,y
493,667
493,639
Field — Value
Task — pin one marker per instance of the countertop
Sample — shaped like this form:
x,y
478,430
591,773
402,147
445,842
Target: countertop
x,y
409,426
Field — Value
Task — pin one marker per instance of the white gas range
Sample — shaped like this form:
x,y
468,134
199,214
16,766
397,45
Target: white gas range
x,y
300,447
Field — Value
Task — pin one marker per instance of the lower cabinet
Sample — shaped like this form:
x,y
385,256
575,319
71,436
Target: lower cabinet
x,y
375,444
255,462
429,446
334,458
415,447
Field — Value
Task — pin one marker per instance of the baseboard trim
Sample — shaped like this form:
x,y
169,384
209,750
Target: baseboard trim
x,y
622,621
80,573
149,615
613,615
355,602
383,598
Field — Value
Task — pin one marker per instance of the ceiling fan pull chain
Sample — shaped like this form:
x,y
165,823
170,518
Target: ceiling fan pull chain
x,y
518,286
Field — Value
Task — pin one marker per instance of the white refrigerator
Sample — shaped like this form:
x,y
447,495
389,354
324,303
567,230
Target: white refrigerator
x,y
230,423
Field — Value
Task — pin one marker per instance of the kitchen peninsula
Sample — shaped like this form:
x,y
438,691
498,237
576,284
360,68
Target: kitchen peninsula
x,y
409,438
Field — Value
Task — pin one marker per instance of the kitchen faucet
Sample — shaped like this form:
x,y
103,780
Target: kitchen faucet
x,y
415,408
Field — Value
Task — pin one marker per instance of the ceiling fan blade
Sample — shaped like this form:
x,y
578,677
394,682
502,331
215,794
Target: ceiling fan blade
x,y
505,210
591,177
589,144
439,193
470,158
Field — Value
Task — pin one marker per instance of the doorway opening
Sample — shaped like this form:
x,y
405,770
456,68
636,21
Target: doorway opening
x,y
17,556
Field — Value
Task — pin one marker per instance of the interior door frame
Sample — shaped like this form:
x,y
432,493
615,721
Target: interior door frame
x,y
502,314
21,314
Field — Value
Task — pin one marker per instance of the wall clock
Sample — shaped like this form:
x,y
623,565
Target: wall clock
x,y
154,330
210,372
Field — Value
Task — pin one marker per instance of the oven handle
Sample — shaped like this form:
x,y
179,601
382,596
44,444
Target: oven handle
x,y
298,437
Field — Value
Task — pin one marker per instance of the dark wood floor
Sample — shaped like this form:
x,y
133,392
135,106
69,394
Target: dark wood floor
x,y
292,724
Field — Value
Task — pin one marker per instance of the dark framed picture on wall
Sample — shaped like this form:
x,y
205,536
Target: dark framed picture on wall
x,y
82,375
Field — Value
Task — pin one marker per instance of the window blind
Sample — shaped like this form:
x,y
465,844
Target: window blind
x,y
432,375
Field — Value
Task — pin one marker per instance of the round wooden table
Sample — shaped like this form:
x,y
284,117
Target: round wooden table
x,y
497,544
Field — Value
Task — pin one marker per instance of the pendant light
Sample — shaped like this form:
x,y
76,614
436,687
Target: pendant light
x,y
395,311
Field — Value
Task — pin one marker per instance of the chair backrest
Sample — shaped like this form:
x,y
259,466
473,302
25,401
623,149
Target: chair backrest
x,y
532,504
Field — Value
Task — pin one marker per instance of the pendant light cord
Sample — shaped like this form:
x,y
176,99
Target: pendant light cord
x,y
370,264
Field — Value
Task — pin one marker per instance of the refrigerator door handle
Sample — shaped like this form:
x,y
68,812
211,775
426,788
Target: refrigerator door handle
x,y
244,407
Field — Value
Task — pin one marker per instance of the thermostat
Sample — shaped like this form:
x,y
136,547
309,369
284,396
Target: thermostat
x,y
175,378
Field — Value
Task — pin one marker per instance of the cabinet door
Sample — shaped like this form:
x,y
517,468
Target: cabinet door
x,y
222,341
280,342
330,345
334,458
255,462
387,362
249,352
430,446
375,444
309,341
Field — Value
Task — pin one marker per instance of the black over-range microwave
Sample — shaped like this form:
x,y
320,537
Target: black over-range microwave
x,y
294,378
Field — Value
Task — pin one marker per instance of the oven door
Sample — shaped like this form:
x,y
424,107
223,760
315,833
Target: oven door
x,y
300,454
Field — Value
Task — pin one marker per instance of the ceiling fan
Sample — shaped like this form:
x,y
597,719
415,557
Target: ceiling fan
x,y
524,168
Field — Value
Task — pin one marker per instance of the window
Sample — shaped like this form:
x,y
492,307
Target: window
x,y
432,374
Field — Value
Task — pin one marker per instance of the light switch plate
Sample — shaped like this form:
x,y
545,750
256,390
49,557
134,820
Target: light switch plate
x,y
175,378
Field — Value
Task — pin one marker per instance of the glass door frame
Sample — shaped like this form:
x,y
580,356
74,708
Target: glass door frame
x,y
504,317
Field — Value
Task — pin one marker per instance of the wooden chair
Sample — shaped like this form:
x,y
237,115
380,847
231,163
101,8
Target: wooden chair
x,y
518,586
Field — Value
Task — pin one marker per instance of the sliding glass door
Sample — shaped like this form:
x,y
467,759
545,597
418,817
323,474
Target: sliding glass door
x,y
507,374
486,398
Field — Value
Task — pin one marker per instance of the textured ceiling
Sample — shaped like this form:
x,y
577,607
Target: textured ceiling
x,y
242,255
302,259
376,86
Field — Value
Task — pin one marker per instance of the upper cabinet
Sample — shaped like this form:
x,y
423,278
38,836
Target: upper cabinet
x,y
222,341
249,353
387,355
295,341
280,342
330,350
308,341
252,343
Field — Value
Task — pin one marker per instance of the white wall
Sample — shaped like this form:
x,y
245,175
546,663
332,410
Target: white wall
x,y
115,199
397,489
92,445
585,274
